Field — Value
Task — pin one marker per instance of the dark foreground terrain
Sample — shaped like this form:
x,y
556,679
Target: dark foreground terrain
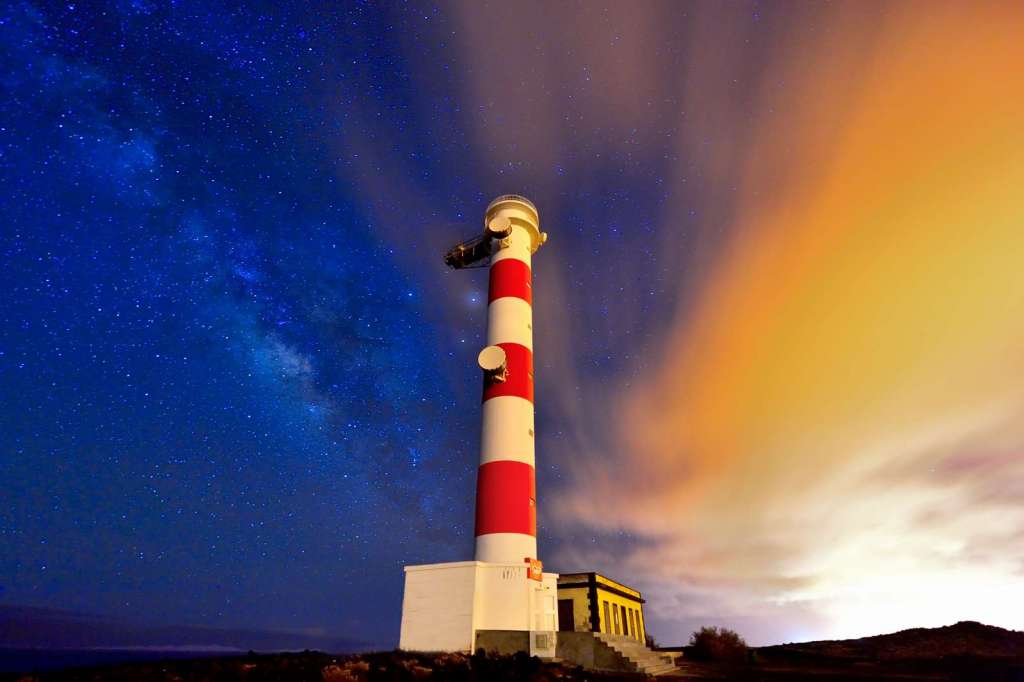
x,y
965,652
311,666
401,667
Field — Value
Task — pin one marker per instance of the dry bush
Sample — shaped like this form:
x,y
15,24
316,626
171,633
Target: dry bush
x,y
717,644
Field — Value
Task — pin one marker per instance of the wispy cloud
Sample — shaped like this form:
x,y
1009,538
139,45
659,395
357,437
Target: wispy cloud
x,y
832,433
777,360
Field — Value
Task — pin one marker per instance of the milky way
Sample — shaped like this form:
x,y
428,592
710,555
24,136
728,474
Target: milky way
x,y
222,402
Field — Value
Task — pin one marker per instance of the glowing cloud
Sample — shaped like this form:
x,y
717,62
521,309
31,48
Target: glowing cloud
x,y
834,434
795,407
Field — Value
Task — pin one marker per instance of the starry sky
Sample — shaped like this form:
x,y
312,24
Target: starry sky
x,y
778,325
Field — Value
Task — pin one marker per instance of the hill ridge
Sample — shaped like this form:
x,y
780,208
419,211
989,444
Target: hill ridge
x,y
963,638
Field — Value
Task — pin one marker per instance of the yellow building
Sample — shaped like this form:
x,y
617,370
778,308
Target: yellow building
x,y
590,602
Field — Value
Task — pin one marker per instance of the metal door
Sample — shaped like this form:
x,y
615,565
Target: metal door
x,y
545,622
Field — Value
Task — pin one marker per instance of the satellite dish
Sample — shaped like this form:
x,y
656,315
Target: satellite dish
x,y
493,361
499,227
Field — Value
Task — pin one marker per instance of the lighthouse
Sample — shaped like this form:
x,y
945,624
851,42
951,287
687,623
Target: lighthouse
x,y
502,600
506,493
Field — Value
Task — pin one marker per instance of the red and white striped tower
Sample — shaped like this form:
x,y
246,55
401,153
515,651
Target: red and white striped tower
x,y
446,606
506,497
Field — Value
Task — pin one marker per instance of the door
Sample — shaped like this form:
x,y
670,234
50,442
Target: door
x,y
566,620
625,623
545,613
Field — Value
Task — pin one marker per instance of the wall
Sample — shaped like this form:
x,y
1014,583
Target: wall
x,y
618,601
505,642
580,606
437,607
502,597
582,648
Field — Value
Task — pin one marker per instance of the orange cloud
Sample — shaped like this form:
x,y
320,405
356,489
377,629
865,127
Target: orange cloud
x,y
865,320
826,430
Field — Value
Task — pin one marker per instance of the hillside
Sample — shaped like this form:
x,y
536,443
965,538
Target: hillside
x,y
966,638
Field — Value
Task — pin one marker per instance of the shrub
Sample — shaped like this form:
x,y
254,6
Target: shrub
x,y
718,644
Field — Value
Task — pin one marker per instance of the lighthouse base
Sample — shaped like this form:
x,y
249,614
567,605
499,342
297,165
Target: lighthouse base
x,y
461,606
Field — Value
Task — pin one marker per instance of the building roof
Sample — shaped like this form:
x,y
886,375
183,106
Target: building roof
x,y
599,581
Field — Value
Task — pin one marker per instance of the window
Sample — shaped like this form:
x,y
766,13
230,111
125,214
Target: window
x,y
632,624
607,619
624,630
615,614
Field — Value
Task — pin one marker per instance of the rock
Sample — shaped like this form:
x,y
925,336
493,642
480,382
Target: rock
x,y
335,673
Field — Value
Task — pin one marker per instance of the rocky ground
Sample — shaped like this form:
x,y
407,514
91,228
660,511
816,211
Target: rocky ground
x,y
965,652
310,666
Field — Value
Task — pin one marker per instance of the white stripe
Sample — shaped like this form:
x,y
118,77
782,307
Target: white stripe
x,y
510,320
509,548
519,248
507,430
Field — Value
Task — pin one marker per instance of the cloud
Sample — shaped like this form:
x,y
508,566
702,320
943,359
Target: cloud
x,y
779,319
831,433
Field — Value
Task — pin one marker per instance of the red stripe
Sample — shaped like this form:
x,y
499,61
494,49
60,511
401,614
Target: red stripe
x,y
510,277
519,377
506,498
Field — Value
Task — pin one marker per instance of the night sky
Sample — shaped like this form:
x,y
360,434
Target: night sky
x,y
778,323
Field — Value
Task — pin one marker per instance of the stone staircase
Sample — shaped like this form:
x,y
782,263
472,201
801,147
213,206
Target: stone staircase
x,y
636,653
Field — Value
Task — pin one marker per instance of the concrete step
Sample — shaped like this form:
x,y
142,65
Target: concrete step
x,y
638,651
657,672
643,661
667,669
638,654
628,653
627,644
